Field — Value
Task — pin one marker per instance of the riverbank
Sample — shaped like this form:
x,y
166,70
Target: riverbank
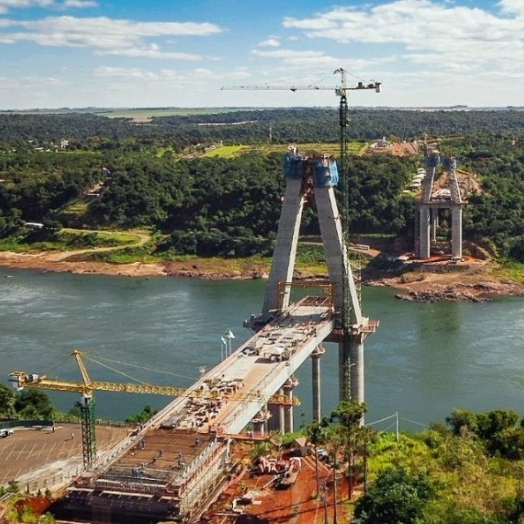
x,y
452,287
477,284
71,262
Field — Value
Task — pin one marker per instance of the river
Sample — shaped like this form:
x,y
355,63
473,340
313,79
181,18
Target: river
x,y
424,361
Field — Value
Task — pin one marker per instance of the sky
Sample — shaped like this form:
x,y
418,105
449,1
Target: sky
x,y
180,53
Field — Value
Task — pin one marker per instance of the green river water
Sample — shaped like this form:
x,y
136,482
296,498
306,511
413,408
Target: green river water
x,y
424,360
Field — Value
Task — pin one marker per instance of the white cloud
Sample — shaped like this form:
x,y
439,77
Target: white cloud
x,y
288,53
270,42
199,74
151,52
124,72
438,35
7,5
318,60
31,81
79,3
115,37
512,7
31,91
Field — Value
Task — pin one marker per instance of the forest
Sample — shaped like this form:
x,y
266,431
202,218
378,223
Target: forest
x,y
93,172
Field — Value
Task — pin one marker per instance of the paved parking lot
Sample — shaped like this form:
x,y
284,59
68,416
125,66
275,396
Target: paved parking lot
x,y
40,458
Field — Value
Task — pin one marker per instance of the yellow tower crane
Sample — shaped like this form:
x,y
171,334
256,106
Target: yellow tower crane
x,y
20,380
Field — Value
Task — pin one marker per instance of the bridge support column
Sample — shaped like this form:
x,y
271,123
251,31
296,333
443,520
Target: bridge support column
x,y
260,422
424,233
282,413
315,378
288,412
259,428
434,224
351,369
276,419
456,233
290,384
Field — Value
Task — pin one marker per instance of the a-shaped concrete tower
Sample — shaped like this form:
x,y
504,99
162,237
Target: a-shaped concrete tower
x,y
432,200
311,178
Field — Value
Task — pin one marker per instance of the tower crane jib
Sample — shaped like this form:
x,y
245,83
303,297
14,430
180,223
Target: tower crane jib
x,y
340,90
21,380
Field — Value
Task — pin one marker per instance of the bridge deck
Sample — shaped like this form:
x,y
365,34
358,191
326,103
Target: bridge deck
x,y
267,360
243,383
167,454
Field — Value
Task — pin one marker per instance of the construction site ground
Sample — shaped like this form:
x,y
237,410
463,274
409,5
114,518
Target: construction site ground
x,y
39,458
252,497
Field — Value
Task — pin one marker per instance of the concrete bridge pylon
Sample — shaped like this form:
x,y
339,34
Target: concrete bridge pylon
x,y
310,179
432,200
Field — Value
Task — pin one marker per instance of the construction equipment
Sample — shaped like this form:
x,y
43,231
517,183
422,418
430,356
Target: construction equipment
x,y
20,380
352,322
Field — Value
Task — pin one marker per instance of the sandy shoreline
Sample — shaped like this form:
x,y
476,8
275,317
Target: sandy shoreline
x,y
59,263
65,262
425,287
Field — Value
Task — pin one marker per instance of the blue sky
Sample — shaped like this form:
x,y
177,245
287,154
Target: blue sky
x,y
158,53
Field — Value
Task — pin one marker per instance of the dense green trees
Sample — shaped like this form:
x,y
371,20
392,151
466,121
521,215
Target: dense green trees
x,y
454,473
33,403
321,124
7,402
497,430
27,404
376,200
396,497
35,185
89,131
230,206
461,472
143,416
226,207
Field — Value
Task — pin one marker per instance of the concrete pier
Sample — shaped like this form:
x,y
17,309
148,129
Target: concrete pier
x,y
425,233
316,382
456,233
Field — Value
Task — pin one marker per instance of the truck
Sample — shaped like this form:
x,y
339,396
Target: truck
x,y
5,433
287,479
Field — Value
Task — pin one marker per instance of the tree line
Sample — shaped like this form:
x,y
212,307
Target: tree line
x,y
230,206
465,470
252,127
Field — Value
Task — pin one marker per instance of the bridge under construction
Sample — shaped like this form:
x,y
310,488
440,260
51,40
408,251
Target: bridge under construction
x,y
172,467
175,465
